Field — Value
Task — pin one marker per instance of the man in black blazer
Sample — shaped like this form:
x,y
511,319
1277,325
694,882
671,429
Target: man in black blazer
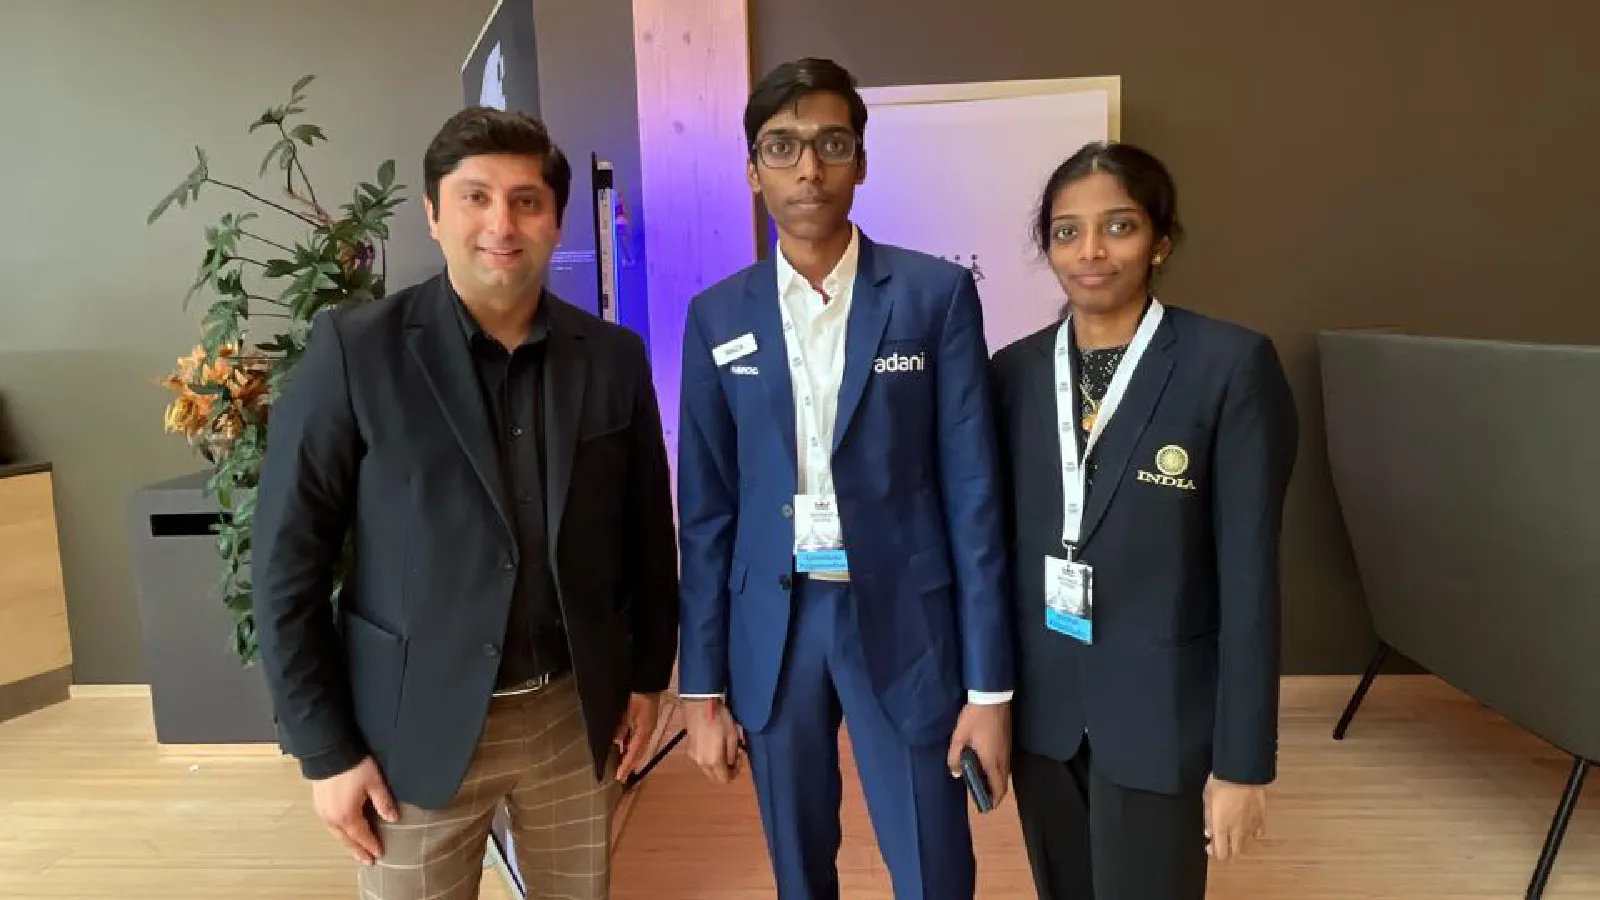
x,y
489,461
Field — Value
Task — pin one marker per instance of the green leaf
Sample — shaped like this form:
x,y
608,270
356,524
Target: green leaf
x,y
231,284
279,268
273,116
222,323
238,601
186,190
308,134
283,148
280,343
386,173
301,84
160,208
225,238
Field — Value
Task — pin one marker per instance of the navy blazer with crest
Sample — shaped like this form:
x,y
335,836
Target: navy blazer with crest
x,y
1181,527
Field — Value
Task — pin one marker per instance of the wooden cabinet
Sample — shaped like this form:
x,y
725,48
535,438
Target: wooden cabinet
x,y
35,644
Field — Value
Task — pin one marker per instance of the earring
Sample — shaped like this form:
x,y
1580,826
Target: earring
x,y
1156,261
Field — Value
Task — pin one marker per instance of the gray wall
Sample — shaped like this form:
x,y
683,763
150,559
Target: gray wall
x,y
102,106
1422,164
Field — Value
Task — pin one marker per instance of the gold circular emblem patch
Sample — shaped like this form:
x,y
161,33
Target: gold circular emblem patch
x,y
1172,460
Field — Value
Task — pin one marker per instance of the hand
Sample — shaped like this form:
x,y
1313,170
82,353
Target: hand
x,y
713,738
341,804
634,732
986,728
1236,814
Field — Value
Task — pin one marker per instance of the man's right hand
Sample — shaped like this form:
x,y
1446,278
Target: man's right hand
x,y
341,804
713,738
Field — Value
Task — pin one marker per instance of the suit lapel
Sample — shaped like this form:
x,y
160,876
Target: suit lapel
x,y
437,343
869,315
772,353
1127,424
566,375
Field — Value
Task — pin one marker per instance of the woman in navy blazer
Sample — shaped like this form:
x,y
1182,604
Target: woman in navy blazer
x,y
1147,449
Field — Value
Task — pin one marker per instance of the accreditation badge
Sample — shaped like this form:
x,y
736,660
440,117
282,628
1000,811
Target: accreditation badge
x,y
1069,598
818,537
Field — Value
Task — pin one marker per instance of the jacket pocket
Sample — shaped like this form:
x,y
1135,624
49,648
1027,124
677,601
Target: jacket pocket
x,y
376,661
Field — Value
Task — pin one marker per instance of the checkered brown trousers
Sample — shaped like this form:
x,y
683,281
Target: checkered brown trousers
x,y
533,756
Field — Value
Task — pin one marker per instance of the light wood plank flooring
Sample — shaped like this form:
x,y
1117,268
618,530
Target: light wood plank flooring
x,y
1430,796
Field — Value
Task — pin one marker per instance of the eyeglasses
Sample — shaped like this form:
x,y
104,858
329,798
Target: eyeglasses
x,y
782,149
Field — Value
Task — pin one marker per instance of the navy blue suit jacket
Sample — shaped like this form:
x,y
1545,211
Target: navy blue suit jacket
x,y
1182,677
916,474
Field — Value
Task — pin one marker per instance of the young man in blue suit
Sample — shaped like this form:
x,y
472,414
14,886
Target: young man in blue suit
x,y
841,541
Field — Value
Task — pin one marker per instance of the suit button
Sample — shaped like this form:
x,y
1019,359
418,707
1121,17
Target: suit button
x,y
491,650
788,511
508,565
784,581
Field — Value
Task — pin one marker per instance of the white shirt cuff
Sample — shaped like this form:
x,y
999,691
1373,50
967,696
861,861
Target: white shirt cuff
x,y
988,698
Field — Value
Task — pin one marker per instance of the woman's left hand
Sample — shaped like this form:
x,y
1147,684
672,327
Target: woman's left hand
x,y
1236,814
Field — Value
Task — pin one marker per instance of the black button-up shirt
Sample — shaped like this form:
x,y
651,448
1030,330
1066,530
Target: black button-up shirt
x,y
513,387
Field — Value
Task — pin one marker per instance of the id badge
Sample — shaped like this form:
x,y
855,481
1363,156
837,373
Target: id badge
x,y
1069,598
818,537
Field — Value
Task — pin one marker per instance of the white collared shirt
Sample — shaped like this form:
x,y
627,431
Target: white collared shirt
x,y
820,318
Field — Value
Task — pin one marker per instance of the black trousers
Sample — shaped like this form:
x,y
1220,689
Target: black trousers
x,y
1089,839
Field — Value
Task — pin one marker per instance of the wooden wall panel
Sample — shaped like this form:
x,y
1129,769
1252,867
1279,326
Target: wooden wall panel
x,y
692,60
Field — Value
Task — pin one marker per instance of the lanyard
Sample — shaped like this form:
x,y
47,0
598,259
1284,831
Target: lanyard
x,y
800,374
1072,482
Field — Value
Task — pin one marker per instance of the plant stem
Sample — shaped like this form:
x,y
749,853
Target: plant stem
x,y
248,260
263,240
296,159
260,199
267,300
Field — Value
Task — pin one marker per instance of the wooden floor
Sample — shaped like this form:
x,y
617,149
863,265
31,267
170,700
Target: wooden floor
x,y
1429,798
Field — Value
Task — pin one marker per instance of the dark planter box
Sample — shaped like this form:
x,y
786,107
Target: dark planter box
x,y
200,691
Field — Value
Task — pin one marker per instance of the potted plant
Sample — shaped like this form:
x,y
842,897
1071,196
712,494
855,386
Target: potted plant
x,y
265,292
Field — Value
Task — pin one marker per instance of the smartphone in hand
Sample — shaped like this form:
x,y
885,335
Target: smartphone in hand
x,y
977,782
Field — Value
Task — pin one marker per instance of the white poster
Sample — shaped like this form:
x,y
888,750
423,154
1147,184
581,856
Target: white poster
x,y
956,174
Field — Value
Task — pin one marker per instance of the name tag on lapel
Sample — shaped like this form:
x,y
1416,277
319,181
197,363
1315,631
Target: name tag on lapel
x,y
738,348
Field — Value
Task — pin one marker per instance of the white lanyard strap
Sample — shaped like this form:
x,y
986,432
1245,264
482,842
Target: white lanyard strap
x,y
1072,480
800,375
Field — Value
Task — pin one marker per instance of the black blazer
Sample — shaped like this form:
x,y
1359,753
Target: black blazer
x,y
1182,677
381,430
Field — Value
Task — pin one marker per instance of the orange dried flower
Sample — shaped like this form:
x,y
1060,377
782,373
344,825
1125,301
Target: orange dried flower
x,y
194,411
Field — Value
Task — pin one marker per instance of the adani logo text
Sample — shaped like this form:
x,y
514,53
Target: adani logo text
x,y
899,362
